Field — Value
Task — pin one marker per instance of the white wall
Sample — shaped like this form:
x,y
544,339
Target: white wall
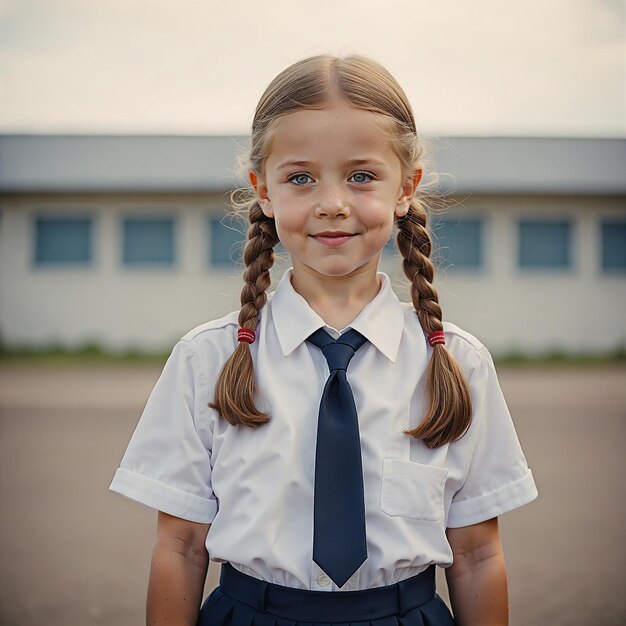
x,y
108,302
580,309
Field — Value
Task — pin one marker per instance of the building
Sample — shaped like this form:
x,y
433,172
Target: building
x,y
122,241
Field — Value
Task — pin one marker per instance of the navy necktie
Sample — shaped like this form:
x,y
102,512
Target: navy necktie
x,y
339,545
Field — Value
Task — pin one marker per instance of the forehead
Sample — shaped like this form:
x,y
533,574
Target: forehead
x,y
334,132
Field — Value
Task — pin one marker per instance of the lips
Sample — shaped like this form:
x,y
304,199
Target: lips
x,y
333,239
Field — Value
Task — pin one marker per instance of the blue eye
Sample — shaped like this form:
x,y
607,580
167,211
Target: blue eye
x,y
362,174
297,179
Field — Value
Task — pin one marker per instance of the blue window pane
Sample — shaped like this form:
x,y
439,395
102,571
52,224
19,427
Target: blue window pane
x,y
227,242
63,240
614,245
391,246
149,241
544,244
460,242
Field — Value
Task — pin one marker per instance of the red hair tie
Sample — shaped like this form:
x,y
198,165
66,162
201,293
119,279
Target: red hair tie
x,y
245,334
436,337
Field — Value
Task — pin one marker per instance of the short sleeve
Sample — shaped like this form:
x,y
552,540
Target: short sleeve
x,y
167,464
498,478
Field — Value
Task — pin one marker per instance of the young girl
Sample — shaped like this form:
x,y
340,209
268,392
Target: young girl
x,y
329,477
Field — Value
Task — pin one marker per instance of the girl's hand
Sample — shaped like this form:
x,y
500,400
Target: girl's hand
x,y
178,572
477,579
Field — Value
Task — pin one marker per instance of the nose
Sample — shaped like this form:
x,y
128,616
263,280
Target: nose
x,y
331,201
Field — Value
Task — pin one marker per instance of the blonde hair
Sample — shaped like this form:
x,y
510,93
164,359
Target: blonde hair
x,y
363,83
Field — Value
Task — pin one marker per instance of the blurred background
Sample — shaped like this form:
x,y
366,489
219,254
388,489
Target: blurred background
x,y
120,128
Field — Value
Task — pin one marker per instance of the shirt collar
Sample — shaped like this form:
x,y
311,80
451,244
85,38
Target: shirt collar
x,y
381,321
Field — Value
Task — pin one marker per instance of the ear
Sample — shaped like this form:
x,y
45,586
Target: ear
x,y
407,191
261,193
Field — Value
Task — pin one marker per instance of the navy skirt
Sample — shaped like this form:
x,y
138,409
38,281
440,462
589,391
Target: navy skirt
x,y
242,600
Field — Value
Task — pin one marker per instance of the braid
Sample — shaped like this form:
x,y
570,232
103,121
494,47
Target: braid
x,y
449,402
235,386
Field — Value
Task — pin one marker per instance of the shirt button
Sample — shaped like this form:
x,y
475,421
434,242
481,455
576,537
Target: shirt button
x,y
323,580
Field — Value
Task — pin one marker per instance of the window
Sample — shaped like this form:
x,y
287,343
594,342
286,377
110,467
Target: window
x,y
227,240
459,242
148,241
62,240
544,244
613,245
391,246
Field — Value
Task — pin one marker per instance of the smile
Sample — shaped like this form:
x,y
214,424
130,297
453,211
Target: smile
x,y
333,240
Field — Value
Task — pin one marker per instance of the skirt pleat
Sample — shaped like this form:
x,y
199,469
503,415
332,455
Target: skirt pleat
x,y
436,613
217,610
281,621
265,619
412,618
385,621
243,614
207,607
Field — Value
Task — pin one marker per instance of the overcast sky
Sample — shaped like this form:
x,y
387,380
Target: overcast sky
x,y
536,67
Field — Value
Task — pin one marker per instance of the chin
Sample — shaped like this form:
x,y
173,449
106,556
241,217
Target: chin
x,y
339,269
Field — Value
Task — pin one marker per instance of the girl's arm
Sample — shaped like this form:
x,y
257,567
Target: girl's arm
x,y
477,579
178,572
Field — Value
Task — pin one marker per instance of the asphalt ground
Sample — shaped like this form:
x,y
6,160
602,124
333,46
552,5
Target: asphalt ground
x,y
74,554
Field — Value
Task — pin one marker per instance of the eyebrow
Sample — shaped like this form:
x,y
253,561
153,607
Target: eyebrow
x,y
351,162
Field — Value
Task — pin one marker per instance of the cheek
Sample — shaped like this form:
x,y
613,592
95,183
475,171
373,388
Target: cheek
x,y
378,216
290,221
291,224
290,213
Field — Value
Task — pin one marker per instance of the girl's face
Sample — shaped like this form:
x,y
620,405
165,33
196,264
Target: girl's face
x,y
333,184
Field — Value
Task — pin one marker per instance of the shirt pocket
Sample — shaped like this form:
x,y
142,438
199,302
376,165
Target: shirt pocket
x,y
412,490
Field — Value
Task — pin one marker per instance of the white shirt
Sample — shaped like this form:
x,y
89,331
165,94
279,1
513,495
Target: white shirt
x,y
255,486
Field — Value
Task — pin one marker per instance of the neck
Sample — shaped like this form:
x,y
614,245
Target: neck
x,y
336,299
